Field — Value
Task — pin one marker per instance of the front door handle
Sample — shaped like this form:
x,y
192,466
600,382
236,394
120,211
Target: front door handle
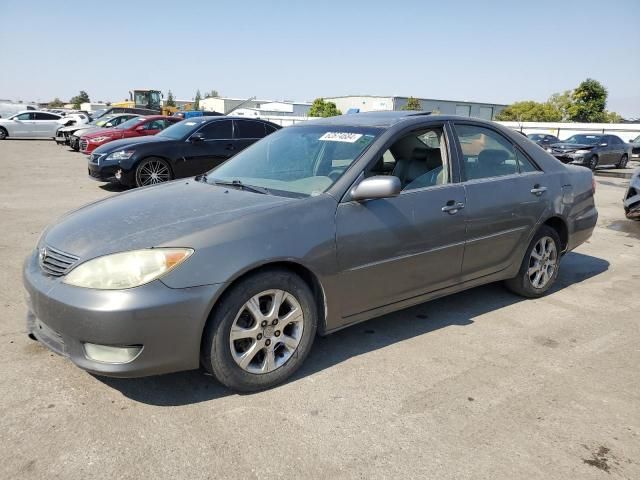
x,y
538,190
452,207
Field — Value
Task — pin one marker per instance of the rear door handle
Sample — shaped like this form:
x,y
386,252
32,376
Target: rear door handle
x,y
452,207
538,190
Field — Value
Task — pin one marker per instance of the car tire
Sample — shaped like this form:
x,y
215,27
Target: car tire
x,y
76,146
593,162
249,361
623,161
542,259
3,133
151,171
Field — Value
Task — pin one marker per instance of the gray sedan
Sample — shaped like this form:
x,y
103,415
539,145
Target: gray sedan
x,y
315,228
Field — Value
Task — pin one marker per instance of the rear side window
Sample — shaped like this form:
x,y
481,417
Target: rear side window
x,y
249,129
219,130
45,116
485,153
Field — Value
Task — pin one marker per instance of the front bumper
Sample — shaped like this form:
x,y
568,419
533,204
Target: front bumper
x,y
166,322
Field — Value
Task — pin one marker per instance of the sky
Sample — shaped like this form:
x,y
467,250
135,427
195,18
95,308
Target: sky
x,y
485,51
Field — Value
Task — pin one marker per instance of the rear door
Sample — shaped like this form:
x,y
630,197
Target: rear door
x,y
618,148
246,132
216,147
506,196
45,124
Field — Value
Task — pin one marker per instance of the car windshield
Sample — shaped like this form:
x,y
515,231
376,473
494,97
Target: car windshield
x,y
101,120
180,130
130,123
584,139
297,161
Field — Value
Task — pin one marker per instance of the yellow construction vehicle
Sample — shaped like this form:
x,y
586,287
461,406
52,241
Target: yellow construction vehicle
x,y
146,100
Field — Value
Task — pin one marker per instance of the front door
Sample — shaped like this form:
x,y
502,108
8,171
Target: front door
x,y
215,147
506,196
393,249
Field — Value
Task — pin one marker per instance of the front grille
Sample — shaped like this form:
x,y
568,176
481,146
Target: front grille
x,y
55,262
83,144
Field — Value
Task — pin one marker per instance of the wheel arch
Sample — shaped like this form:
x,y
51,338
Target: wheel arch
x,y
560,226
306,274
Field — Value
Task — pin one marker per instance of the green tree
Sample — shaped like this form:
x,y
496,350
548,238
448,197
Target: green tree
x,y
612,117
561,102
170,100
211,94
56,102
82,97
589,102
412,104
530,111
196,102
320,108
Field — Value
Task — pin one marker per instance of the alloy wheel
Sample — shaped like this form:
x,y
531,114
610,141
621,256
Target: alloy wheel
x,y
623,161
543,262
593,163
266,331
152,172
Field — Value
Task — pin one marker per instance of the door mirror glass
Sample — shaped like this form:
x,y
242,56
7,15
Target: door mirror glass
x,y
381,186
196,137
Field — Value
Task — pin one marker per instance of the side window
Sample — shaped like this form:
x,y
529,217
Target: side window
x,y
249,129
155,125
218,130
44,116
614,140
485,152
418,159
524,163
25,116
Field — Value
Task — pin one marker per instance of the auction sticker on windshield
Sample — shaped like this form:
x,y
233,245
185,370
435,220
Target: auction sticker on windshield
x,y
341,137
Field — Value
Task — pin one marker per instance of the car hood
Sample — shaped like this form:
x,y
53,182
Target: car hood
x,y
130,142
97,132
160,215
572,146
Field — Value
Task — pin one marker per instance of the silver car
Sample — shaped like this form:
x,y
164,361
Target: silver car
x,y
30,124
314,228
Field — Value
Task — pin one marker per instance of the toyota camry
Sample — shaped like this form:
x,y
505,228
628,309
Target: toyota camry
x,y
314,228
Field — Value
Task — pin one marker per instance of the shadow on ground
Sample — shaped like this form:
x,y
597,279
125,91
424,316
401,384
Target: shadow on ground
x,y
460,309
113,187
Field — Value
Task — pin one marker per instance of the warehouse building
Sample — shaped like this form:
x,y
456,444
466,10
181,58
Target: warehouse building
x,y
369,103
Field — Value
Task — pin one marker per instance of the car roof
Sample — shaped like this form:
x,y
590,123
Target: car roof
x,y
37,111
385,119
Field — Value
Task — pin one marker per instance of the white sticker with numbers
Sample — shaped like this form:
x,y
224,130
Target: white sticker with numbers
x,y
341,137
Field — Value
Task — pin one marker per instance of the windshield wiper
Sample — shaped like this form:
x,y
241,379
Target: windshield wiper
x,y
243,186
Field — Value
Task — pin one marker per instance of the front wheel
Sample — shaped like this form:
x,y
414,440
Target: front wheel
x,y
623,161
3,133
593,163
152,171
261,331
540,266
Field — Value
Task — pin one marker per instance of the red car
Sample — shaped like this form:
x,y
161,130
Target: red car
x,y
136,127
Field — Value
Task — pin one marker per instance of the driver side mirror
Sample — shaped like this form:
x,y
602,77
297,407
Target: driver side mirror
x,y
139,128
196,137
380,186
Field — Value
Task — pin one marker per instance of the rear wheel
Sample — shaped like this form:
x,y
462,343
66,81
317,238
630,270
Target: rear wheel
x,y
623,161
593,163
151,171
540,266
3,133
261,331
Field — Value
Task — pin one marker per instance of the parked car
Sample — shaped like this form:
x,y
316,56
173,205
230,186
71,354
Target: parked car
x,y
29,124
106,121
543,139
135,127
195,113
185,149
71,119
64,133
592,150
316,227
635,148
632,197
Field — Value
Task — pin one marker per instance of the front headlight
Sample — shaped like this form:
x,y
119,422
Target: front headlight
x,y
98,139
549,149
581,152
120,155
126,269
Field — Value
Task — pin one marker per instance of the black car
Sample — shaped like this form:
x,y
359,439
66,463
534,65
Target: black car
x,y
591,150
186,149
543,139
